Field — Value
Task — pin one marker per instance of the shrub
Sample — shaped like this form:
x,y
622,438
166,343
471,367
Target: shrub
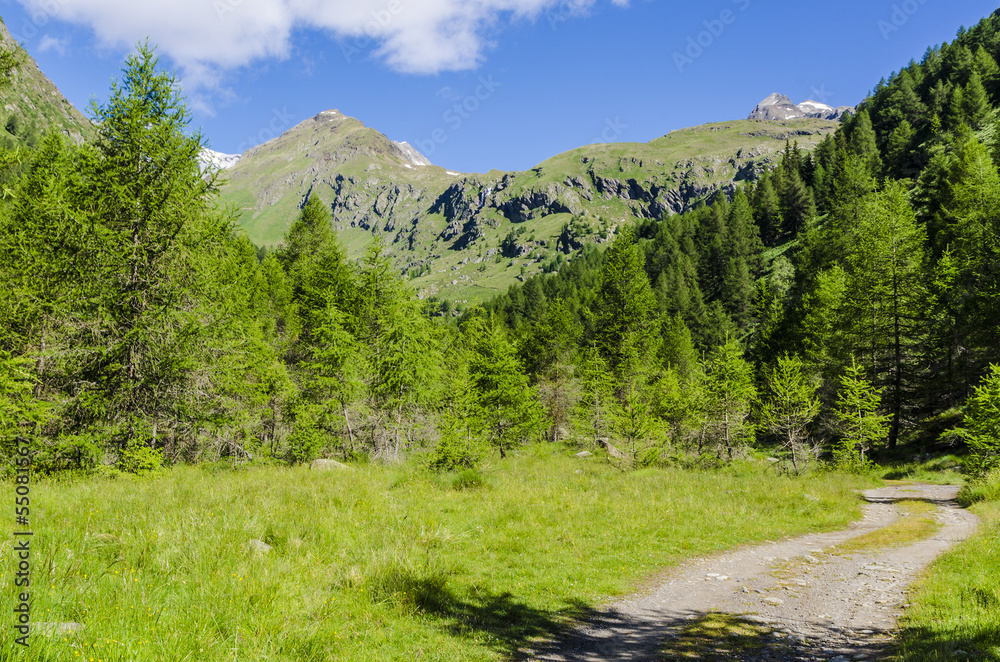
x,y
140,459
985,489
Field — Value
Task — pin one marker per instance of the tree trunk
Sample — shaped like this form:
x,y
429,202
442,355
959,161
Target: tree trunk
x,y
897,377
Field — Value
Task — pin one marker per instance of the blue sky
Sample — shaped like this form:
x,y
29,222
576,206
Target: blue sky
x,y
492,83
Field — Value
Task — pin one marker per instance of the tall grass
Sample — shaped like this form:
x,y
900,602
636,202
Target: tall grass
x,y
375,563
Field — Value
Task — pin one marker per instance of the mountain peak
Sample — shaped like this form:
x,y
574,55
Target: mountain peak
x,y
779,107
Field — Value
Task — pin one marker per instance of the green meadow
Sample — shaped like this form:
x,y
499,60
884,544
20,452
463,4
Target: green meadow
x,y
377,563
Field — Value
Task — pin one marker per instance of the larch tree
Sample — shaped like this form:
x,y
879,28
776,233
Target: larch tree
x,y
152,219
860,425
626,327
505,403
886,293
399,348
983,424
791,406
729,396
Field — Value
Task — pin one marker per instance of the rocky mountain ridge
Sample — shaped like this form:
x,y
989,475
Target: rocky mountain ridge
x,y
779,107
469,235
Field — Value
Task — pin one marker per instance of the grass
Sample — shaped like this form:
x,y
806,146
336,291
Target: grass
x,y
909,529
955,608
377,563
717,637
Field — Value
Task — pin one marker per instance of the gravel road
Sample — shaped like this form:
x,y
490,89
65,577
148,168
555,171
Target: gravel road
x,y
814,605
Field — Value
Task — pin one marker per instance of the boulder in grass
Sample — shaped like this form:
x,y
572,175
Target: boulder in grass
x,y
324,464
612,450
583,454
259,546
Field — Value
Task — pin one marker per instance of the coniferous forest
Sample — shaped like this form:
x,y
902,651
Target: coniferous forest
x,y
841,305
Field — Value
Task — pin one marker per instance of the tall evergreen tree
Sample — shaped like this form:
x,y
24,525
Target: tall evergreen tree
x,y
886,293
400,349
729,396
626,330
976,102
506,403
153,218
860,425
767,210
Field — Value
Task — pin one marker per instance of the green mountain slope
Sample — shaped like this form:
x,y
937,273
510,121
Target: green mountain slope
x,y
466,237
32,104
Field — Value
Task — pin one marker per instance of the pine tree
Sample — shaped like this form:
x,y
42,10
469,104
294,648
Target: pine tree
x,y
898,158
975,102
986,68
797,203
48,268
399,348
461,444
983,424
743,236
332,376
626,310
595,406
546,354
862,142
729,395
955,109
823,322
767,211
678,350
316,266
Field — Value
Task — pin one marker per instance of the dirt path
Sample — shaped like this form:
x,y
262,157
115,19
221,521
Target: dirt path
x,y
815,605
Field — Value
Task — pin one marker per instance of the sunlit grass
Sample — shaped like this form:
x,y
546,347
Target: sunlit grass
x,y
377,563
717,637
942,470
904,531
955,612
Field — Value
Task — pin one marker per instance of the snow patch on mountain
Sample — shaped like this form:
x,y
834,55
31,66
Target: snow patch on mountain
x,y
412,155
210,159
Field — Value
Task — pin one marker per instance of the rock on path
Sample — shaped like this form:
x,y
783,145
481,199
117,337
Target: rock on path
x,y
820,606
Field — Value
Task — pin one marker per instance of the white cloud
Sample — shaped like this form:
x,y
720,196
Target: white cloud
x,y
50,43
208,37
